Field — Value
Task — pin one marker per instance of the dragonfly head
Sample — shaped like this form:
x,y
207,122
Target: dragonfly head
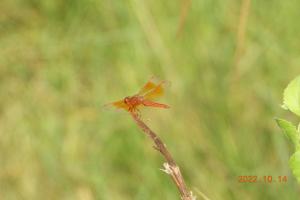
x,y
126,100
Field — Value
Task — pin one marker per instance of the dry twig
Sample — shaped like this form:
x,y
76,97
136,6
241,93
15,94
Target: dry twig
x,y
170,166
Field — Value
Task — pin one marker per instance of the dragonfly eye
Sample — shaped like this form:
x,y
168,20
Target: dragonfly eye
x,y
126,100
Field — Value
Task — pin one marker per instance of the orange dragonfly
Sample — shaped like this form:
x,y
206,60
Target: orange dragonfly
x,y
150,91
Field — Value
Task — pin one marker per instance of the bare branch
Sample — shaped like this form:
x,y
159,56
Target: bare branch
x,y
170,166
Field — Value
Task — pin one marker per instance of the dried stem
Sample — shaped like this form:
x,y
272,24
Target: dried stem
x,y
170,167
185,6
241,35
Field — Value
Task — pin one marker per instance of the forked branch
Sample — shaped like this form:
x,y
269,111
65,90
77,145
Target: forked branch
x,y
170,166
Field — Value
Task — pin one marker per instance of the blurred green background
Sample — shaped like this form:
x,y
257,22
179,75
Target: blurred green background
x,y
60,61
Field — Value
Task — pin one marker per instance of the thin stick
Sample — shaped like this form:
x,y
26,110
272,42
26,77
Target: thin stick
x,y
170,167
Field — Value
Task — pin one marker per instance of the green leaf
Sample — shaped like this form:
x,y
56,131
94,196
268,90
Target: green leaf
x,y
295,164
291,96
289,130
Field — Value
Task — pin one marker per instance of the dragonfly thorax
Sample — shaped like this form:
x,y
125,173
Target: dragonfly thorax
x,y
126,100
133,100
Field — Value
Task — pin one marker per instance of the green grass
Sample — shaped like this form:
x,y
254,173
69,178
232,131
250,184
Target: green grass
x,y
61,60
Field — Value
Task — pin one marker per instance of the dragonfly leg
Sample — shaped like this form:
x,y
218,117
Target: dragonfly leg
x,y
137,112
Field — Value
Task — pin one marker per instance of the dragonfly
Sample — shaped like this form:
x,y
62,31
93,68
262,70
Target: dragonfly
x,y
153,89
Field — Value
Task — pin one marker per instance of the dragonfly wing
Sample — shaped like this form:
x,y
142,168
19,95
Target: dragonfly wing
x,y
150,85
158,91
118,105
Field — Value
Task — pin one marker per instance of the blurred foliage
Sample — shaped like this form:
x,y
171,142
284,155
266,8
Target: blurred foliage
x,y
291,102
61,60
